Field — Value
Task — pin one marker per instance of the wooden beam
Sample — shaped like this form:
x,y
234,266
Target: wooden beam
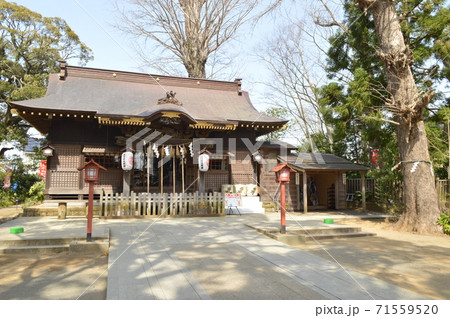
x,y
305,193
363,189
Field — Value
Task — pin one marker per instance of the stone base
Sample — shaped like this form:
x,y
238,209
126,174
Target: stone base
x,y
42,210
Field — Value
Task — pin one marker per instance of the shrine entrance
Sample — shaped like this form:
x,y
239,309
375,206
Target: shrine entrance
x,y
164,169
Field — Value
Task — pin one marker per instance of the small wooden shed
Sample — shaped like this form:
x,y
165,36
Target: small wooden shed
x,y
321,179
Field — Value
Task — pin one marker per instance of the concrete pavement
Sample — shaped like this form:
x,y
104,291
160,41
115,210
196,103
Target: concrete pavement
x,y
212,258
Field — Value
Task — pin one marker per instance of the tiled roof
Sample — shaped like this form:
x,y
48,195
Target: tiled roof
x,y
319,161
117,93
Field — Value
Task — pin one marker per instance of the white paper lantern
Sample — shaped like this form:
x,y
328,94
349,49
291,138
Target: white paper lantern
x,y
203,162
127,160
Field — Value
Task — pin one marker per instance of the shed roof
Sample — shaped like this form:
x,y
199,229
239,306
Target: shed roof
x,y
320,161
118,93
278,145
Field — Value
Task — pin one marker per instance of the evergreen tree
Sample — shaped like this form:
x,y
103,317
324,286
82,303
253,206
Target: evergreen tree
x,y
30,47
378,89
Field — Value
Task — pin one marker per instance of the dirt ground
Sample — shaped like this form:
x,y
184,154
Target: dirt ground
x,y
57,276
419,263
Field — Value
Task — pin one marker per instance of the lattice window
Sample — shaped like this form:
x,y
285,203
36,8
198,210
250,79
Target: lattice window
x,y
242,178
64,179
67,157
218,164
214,180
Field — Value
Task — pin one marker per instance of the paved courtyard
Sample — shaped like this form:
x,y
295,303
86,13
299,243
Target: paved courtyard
x,y
212,258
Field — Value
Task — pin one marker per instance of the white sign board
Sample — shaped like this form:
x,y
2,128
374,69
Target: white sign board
x,y
233,199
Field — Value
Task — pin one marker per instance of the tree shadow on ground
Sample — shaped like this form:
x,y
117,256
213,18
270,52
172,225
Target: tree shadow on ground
x,y
52,277
417,267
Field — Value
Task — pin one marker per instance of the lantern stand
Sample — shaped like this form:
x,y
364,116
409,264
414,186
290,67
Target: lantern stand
x,y
91,172
282,174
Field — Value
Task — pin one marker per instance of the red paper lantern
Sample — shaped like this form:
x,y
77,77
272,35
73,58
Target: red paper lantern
x,y
375,156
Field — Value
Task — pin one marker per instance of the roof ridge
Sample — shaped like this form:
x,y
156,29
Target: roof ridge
x,y
68,71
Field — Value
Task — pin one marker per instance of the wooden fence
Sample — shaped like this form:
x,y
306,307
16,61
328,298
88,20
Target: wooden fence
x,y
354,185
167,204
443,191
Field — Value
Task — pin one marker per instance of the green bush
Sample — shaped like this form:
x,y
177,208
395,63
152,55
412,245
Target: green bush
x,y
358,196
6,198
388,190
444,220
35,194
25,178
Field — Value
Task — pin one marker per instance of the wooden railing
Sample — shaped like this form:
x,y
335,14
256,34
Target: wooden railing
x,y
354,185
157,205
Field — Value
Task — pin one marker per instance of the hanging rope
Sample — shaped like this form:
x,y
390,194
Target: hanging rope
x,y
415,165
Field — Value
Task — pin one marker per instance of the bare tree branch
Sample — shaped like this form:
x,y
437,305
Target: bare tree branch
x,y
331,22
191,30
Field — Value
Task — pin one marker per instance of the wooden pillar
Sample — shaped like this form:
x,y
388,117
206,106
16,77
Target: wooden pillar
x,y
149,153
201,181
182,173
305,193
297,186
161,173
126,182
363,189
80,177
174,161
336,193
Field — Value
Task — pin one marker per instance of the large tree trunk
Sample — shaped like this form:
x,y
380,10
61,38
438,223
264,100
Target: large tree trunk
x,y
194,49
406,104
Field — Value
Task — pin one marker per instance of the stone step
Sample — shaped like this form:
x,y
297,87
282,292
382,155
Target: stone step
x,y
293,238
35,242
45,249
97,246
46,242
327,230
337,236
321,233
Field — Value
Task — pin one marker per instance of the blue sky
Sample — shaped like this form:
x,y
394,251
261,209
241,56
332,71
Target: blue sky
x,y
107,54
111,55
